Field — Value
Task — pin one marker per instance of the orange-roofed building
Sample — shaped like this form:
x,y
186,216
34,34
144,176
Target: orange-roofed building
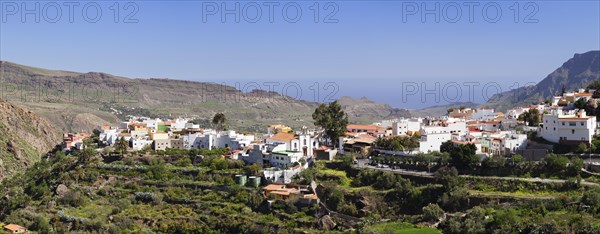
x,y
370,129
283,137
14,228
287,192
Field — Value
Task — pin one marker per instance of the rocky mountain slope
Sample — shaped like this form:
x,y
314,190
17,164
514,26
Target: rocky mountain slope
x,y
24,137
82,101
575,73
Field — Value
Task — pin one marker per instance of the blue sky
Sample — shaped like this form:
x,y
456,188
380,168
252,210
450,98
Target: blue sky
x,y
375,49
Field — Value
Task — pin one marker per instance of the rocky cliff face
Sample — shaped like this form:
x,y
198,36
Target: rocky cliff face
x,y
24,138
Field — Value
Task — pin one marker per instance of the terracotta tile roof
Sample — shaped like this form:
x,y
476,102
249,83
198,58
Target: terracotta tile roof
x,y
14,227
364,127
283,136
583,94
273,187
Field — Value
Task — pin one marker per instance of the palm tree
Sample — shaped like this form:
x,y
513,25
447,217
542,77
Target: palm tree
x,y
219,121
122,146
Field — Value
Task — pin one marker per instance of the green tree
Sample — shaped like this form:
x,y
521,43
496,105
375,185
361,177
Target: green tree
x,y
121,146
580,104
219,121
86,155
432,212
576,165
332,119
532,117
462,155
252,170
41,225
595,85
334,197
516,159
591,198
556,164
493,162
582,148
447,176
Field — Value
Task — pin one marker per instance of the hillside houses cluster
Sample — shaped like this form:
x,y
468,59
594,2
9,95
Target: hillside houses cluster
x,y
480,127
283,152
177,134
493,133
564,123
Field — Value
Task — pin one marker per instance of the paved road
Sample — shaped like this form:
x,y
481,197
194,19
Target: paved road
x,y
363,163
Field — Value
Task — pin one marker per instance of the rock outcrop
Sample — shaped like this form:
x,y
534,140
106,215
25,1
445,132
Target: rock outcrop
x,y
24,137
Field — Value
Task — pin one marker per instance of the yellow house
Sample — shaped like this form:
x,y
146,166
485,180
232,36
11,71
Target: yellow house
x,y
159,136
277,128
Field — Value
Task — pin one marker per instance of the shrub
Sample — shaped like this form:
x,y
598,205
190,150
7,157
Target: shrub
x,y
432,213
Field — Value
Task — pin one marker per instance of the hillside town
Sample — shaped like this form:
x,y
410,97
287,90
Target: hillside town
x,y
283,152
284,155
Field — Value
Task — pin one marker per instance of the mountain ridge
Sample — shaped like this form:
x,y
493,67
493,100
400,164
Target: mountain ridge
x,y
65,96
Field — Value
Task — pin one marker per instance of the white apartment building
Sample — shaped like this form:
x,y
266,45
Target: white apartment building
x,y
484,114
567,127
432,137
404,126
212,139
431,142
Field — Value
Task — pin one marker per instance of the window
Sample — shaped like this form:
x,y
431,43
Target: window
x,y
573,131
582,124
572,123
563,123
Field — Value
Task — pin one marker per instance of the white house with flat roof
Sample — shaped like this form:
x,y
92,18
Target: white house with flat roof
x,y
567,127
405,126
211,139
484,114
431,142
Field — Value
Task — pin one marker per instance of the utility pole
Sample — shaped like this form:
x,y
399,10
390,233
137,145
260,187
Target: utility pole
x,y
590,162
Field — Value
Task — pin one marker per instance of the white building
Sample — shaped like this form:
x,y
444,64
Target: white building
x,y
404,126
431,142
303,142
516,112
109,136
484,114
139,144
178,124
567,127
211,139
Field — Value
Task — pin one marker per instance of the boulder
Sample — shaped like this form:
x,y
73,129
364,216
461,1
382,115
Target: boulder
x,y
327,223
61,190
